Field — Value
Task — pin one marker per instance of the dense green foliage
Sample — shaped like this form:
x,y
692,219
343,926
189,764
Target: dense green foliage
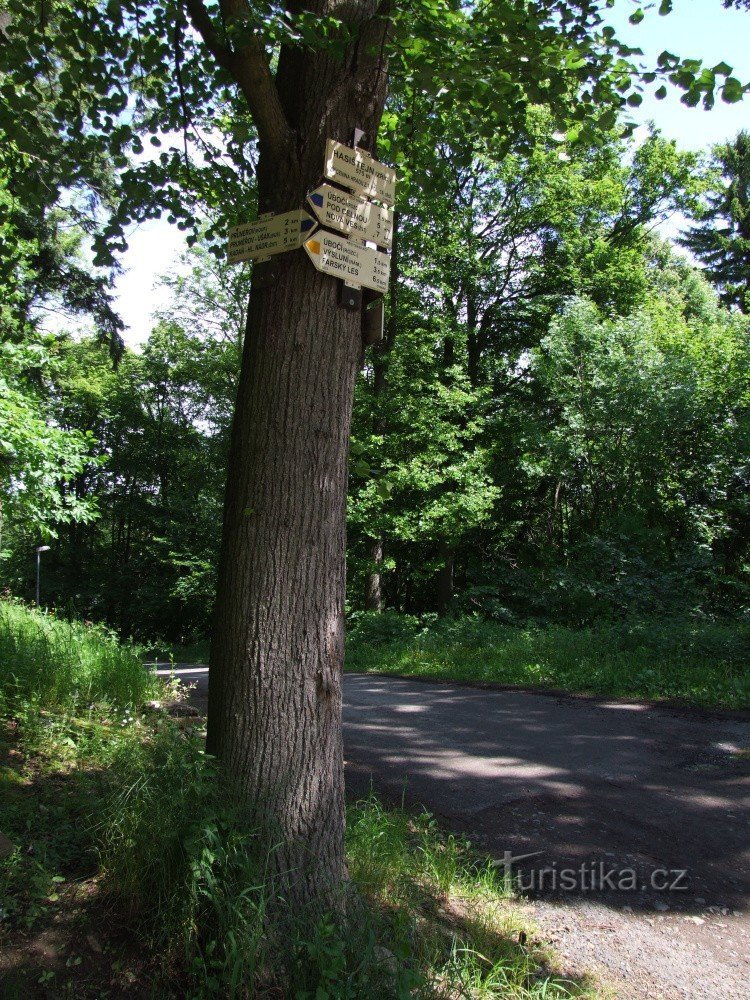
x,y
721,240
555,426
556,423
157,428
124,104
65,664
39,459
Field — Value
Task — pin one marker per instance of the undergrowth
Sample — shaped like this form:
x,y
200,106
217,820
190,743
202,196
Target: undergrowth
x,y
55,662
429,918
125,803
699,662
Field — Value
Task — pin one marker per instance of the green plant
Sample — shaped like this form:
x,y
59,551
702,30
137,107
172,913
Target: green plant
x,y
55,662
135,801
691,659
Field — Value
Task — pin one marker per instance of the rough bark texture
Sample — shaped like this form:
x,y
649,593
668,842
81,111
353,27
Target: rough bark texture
x,y
373,587
277,651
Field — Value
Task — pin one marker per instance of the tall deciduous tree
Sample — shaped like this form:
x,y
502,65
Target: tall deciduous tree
x,y
254,89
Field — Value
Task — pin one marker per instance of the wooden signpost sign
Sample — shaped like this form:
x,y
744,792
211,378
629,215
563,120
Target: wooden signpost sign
x,y
268,236
335,209
356,264
354,213
357,170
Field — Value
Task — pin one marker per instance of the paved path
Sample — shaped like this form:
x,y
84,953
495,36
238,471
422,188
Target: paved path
x,y
633,788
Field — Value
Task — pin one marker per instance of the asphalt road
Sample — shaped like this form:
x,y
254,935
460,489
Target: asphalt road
x,y
588,786
580,781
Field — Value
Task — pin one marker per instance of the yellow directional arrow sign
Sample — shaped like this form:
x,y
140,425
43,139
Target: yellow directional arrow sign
x,y
357,170
357,265
269,236
354,216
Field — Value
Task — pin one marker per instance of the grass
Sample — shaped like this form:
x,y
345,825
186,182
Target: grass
x,y
194,652
430,917
125,850
54,662
698,662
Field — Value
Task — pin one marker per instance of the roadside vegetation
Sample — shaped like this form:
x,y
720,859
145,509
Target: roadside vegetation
x,y
534,447
696,661
700,662
125,869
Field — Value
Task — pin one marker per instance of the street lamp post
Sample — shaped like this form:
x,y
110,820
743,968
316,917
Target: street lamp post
x,y
39,550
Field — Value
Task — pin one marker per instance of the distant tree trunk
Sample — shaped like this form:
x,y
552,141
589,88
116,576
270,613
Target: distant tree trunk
x,y
473,346
373,587
445,579
380,358
278,642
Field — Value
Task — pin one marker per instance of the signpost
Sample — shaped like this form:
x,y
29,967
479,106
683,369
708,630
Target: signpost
x,y
358,265
269,236
353,216
357,170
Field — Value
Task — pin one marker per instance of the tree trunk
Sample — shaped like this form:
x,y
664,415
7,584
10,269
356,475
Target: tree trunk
x,y
278,641
445,579
474,349
381,354
373,588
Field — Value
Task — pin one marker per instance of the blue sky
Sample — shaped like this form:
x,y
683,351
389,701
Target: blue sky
x,y
700,29
697,29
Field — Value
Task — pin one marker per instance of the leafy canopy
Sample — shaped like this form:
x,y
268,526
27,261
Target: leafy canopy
x,y
122,99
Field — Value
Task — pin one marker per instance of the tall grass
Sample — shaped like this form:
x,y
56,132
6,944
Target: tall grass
x,y
58,663
701,662
428,917
148,815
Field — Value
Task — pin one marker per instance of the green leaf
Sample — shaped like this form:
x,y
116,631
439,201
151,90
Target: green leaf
x,y
732,91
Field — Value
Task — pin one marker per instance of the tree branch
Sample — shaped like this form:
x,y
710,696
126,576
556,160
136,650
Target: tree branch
x,y
248,67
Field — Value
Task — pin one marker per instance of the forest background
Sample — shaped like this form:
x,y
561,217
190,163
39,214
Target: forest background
x,y
554,429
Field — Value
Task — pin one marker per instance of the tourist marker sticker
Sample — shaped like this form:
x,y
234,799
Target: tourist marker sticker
x,y
358,265
269,236
352,216
357,170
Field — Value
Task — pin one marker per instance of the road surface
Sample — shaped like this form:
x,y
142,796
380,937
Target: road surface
x,y
598,788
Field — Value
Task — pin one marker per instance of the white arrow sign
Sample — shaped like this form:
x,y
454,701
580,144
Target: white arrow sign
x,y
357,265
276,234
357,170
353,216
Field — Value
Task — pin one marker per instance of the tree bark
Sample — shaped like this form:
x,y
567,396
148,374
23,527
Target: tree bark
x,y
278,643
374,588
445,579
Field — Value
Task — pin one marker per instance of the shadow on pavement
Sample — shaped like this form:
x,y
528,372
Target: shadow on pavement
x,y
595,788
